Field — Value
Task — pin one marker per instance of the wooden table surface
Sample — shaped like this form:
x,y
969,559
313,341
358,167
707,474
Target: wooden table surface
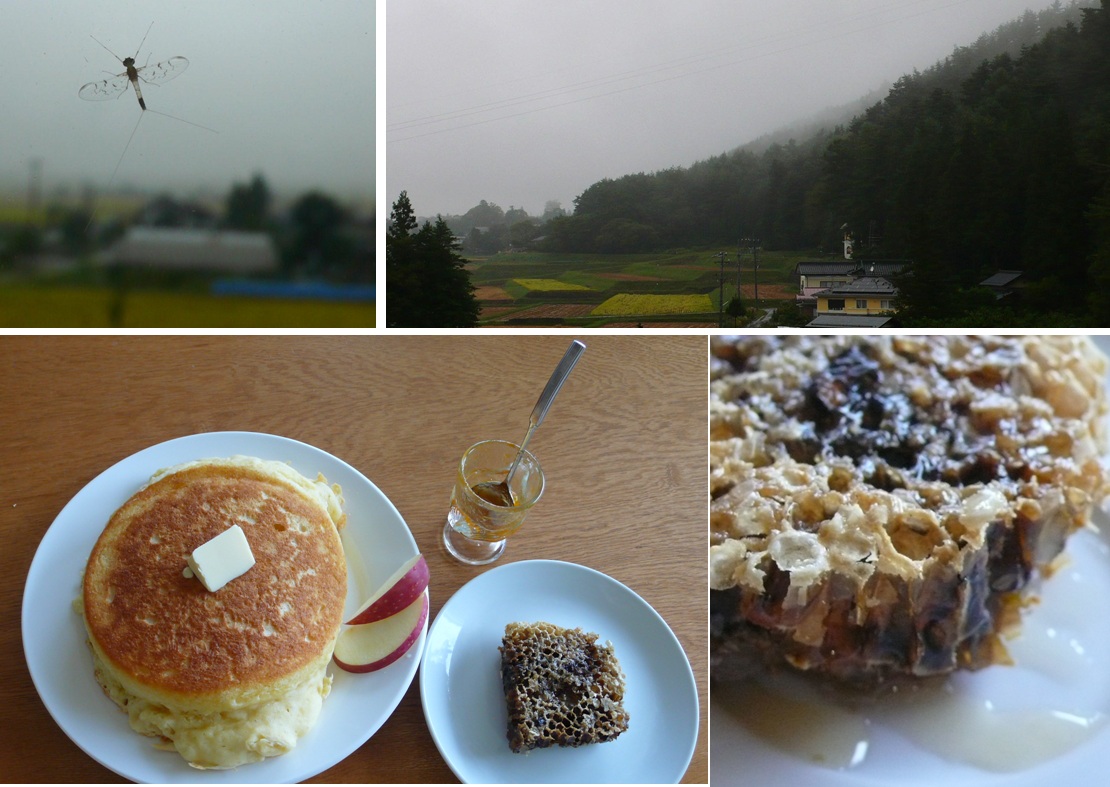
x,y
623,449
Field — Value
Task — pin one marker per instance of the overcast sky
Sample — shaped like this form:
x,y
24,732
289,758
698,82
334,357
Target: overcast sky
x,y
522,101
288,84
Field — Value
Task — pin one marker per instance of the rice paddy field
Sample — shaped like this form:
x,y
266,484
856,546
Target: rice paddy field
x,y
673,289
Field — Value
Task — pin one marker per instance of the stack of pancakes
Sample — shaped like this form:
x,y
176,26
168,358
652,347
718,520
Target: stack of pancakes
x,y
237,675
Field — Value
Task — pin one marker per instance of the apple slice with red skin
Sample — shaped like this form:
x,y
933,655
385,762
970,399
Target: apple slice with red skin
x,y
396,593
371,646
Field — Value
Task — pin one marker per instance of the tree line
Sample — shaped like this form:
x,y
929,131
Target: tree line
x,y
315,237
487,228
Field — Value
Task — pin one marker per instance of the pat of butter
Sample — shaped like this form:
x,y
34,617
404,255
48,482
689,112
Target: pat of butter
x,y
225,557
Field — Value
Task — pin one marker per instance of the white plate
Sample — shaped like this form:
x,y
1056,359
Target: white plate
x,y
1069,626
54,637
460,680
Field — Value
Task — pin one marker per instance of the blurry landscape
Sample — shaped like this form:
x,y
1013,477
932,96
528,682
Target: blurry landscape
x,y
266,220
133,259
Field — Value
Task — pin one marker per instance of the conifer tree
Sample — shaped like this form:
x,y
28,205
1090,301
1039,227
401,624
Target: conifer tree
x,y
427,284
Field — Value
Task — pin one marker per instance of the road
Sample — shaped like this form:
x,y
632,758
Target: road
x,y
763,320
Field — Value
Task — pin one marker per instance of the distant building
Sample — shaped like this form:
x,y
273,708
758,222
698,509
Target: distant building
x,y
885,268
1004,283
823,274
866,296
829,274
814,277
189,249
807,299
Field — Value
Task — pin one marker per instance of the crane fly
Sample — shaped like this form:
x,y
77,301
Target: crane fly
x,y
116,86
152,75
156,74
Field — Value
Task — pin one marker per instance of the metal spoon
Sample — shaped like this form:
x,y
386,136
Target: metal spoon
x,y
498,492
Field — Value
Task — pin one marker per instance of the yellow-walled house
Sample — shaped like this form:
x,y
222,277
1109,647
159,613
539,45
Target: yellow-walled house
x,y
866,296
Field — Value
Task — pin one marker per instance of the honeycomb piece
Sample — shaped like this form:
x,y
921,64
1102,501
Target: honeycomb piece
x,y
880,504
561,688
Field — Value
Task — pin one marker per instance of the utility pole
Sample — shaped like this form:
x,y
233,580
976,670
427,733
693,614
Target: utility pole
x,y
755,270
753,246
721,256
739,262
739,268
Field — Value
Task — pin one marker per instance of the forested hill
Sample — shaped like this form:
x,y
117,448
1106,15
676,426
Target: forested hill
x,y
1008,39
983,161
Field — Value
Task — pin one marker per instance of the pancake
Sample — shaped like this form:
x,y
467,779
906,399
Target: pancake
x,y
232,676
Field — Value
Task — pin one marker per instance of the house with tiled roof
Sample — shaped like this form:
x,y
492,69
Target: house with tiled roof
x,y
823,274
883,268
829,274
864,297
815,276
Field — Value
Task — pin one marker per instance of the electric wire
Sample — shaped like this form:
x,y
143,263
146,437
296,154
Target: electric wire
x,y
409,125
822,25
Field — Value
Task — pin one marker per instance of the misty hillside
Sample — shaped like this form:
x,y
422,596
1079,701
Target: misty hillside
x,y
486,226
993,158
1007,39
777,192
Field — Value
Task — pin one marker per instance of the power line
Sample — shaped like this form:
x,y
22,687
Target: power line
x,y
821,25
614,79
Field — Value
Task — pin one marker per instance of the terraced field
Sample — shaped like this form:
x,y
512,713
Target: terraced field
x,y
674,289
628,305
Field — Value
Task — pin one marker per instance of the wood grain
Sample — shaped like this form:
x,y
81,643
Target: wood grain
x,y
623,449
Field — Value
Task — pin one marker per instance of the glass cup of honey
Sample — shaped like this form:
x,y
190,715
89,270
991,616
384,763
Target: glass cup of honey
x,y
484,510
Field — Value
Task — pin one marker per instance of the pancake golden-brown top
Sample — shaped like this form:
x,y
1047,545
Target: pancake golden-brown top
x,y
174,640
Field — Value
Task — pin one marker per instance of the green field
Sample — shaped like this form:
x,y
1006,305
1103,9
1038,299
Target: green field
x,y
30,306
578,290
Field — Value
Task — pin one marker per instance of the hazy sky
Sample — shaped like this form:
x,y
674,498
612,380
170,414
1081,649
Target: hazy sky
x,y
522,101
288,84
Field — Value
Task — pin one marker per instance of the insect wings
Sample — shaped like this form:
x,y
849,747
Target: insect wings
x,y
114,87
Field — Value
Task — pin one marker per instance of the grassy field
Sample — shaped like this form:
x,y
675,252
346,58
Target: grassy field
x,y
27,306
597,290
